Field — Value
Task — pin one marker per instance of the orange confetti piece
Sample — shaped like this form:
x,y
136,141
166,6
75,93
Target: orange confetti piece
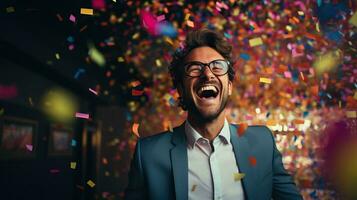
x,y
252,161
298,121
135,129
241,129
135,83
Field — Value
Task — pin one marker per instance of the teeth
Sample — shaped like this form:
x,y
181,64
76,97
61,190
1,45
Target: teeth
x,y
207,87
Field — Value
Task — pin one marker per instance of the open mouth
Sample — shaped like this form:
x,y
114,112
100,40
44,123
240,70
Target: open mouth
x,y
207,91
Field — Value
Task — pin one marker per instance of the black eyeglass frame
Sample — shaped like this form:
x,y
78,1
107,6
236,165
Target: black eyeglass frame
x,y
203,65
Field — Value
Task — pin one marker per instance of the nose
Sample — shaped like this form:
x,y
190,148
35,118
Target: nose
x,y
207,73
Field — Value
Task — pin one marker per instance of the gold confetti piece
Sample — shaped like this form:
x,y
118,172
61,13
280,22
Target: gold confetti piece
x,y
190,23
169,40
351,114
238,176
301,13
355,96
158,63
288,28
86,11
135,129
327,62
187,16
96,56
353,19
58,56
121,59
255,42
135,36
90,183
318,27
10,9
193,188
265,80
73,165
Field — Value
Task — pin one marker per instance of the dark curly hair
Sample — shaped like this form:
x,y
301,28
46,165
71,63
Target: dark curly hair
x,y
199,38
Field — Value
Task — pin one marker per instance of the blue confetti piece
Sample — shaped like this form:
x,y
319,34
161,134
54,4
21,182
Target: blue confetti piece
x,y
244,56
329,96
70,39
227,35
79,71
73,143
168,30
305,114
172,101
318,3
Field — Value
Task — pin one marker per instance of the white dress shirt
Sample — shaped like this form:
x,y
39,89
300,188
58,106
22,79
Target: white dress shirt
x,y
212,169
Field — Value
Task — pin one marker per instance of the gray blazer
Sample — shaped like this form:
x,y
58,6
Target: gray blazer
x,y
159,168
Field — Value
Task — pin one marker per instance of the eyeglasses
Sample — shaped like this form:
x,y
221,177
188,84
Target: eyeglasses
x,y
217,67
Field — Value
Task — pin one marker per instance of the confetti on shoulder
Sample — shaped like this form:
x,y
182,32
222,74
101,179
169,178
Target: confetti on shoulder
x,y
255,42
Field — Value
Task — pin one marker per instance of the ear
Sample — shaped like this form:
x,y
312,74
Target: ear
x,y
230,88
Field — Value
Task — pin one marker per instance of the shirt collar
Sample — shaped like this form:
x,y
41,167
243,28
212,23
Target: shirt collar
x,y
192,135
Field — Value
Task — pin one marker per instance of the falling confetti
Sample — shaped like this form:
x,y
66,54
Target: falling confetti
x,y
90,183
238,176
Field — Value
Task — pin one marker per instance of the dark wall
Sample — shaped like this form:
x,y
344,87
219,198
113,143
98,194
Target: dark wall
x,y
43,176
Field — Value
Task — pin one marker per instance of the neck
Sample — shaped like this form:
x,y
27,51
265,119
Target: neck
x,y
208,129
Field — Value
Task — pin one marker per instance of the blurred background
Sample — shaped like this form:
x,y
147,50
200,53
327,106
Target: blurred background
x,y
80,81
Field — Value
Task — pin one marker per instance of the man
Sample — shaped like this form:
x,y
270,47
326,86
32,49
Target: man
x,y
204,158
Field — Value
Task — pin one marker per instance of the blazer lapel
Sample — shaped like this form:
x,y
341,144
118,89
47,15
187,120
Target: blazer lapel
x,y
241,151
179,163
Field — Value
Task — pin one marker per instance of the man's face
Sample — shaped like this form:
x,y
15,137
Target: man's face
x,y
206,107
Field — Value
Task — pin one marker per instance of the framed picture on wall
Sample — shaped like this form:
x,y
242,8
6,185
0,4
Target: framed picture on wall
x,y
60,140
17,138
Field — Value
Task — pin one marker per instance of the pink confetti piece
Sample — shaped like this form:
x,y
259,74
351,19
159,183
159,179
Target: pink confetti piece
x,y
160,18
54,171
93,91
72,18
287,74
82,115
29,147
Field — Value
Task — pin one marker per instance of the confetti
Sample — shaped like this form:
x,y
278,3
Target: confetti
x,y
72,18
54,171
78,72
29,147
353,19
93,91
242,127
238,176
121,59
255,42
193,187
135,129
73,165
86,11
90,183
82,115
351,114
135,83
96,56
160,18
265,80
58,56
135,92
190,23
73,143
252,161
10,9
